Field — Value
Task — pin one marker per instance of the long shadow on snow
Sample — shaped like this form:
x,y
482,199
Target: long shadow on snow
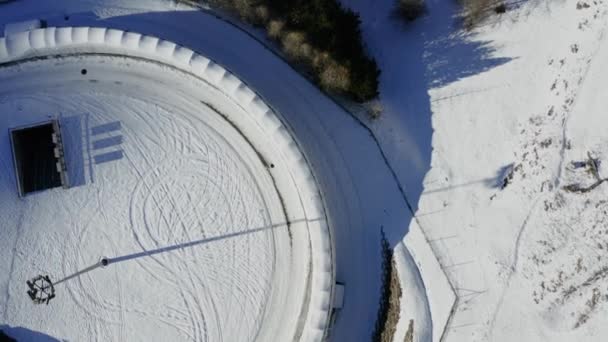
x,y
22,334
416,57
166,249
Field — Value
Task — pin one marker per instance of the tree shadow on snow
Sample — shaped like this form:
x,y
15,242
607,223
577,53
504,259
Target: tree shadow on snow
x,y
22,334
431,52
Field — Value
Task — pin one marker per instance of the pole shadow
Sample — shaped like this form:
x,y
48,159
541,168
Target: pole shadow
x,y
146,253
107,261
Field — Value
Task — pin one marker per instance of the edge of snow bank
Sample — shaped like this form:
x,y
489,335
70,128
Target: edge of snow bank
x,y
413,304
424,278
41,42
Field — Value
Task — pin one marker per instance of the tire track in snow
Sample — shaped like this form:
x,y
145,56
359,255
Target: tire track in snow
x,y
108,305
168,194
12,266
237,251
197,329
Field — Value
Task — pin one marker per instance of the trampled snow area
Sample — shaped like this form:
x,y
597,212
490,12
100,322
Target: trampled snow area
x,y
197,192
527,261
360,195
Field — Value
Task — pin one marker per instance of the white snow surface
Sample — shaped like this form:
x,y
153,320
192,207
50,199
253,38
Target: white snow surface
x,y
359,192
203,161
414,306
528,261
524,92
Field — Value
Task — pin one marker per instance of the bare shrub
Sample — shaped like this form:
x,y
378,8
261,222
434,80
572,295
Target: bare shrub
x,y
374,108
292,43
320,59
275,28
262,14
245,9
306,51
335,77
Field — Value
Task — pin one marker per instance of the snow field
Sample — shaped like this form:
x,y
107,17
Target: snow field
x,y
225,95
513,255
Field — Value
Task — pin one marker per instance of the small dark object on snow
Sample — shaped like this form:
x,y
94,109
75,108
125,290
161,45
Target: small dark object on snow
x,y
581,5
104,262
502,8
507,177
579,164
577,188
41,289
591,165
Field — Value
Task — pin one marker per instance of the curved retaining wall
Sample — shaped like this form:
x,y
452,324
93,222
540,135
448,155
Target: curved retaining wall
x,y
57,41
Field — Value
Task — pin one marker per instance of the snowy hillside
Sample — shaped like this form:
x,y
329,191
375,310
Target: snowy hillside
x,y
519,102
527,260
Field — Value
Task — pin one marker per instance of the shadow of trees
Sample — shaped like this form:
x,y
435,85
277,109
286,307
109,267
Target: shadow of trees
x,y
432,52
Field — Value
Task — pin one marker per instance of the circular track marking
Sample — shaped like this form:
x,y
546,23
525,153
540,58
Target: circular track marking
x,y
222,167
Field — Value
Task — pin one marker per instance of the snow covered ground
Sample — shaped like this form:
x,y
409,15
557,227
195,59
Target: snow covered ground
x,y
520,98
358,190
523,92
198,193
526,261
